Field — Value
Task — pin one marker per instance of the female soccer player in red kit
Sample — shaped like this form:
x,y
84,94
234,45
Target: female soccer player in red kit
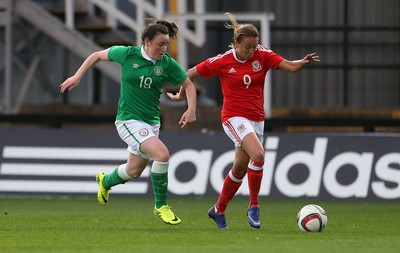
x,y
242,71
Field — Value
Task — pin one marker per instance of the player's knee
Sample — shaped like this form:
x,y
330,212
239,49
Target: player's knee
x,y
258,156
162,156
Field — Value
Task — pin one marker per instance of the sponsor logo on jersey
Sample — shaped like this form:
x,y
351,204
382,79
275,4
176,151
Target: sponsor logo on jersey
x,y
232,70
144,132
256,65
135,66
158,70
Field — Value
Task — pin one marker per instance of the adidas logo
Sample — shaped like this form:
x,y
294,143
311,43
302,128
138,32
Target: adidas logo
x,y
232,70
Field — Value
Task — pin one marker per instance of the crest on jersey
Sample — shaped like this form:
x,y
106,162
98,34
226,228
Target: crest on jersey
x,y
158,70
256,65
144,132
241,128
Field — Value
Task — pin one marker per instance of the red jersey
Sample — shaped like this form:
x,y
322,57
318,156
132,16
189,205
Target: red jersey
x,y
242,81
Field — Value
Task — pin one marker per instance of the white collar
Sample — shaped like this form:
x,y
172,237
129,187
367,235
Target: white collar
x,y
146,56
234,55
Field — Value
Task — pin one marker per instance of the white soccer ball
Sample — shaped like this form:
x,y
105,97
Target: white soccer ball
x,y
312,218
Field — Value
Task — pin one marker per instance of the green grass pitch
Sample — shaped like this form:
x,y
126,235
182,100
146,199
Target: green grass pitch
x,y
127,224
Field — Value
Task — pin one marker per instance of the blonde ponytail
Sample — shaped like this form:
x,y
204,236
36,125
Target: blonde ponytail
x,y
234,24
240,30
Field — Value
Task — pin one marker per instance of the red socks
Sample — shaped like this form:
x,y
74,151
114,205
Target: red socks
x,y
233,182
254,176
230,187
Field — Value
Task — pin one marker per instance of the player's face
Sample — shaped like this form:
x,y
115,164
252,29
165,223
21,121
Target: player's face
x,y
156,47
246,48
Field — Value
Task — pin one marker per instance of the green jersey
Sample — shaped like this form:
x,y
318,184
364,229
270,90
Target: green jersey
x,y
141,82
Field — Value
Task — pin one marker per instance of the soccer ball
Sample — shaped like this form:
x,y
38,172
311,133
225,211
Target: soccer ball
x,y
312,218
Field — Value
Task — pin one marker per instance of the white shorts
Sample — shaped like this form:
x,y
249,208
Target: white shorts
x,y
134,133
238,127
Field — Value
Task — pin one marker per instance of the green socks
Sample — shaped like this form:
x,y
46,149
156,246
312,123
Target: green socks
x,y
159,180
118,176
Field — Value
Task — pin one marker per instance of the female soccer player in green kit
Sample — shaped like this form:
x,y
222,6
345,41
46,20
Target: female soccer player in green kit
x,y
143,71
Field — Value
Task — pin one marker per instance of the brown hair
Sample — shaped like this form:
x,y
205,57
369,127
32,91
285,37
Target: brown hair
x,y
159,26
240,30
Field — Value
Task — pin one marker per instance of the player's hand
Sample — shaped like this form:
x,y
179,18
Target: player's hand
x,y
173,96
187,117
310,58
180,95
69,84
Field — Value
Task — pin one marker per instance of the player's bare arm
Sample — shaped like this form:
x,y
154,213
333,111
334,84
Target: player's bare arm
x,y
190,115
92,59
296,65
181,95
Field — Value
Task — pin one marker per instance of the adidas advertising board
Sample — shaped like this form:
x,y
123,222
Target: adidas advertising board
x,y
326,166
